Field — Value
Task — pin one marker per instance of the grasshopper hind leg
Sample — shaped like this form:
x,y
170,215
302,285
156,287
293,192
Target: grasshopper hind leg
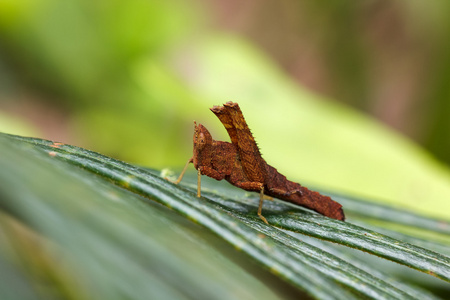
x,y
261,200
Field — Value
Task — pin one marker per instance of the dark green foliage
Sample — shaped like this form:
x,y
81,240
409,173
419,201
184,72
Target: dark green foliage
x,y
102,234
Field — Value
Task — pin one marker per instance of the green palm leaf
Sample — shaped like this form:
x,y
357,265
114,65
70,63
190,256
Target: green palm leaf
x,y
323,271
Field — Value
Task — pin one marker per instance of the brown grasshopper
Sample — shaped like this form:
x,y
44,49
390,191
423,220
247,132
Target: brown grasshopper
x,y
241,164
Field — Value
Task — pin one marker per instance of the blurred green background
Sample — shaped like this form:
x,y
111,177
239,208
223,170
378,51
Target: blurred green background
x,y
337,93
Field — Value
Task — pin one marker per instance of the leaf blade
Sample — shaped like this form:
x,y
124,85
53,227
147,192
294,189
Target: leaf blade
x,y
139,180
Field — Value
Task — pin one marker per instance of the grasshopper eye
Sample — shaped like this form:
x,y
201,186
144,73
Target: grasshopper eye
x,y
201,140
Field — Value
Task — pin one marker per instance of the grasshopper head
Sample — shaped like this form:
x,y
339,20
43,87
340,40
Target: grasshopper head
x,y
202,146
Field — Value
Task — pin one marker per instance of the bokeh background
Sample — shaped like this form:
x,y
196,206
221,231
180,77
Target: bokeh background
x,y
347,95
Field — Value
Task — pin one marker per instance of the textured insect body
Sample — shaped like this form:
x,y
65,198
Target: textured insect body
x,y
212,158
241,164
